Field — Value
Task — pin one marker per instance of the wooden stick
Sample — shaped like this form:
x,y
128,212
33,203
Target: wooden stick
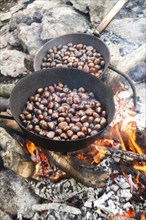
x,y
18,163
14,157
8,143
133,59
62,162
10,124
109,17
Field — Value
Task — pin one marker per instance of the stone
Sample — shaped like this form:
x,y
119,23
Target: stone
x,y
129,29
4,216
8,60
96,9
28,62
29,37
5,16
15,197
4,36
13,39
50,4
62,20
27,16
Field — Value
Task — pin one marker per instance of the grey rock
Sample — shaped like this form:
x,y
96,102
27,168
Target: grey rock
x,y
12,63
27,16
132,30
62,20
96,9
50,4
13,39
4,216
4,29
15,197
5,16
29,37
4,36
28,62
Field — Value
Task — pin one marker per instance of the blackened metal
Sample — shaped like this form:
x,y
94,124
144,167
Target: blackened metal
x,y
74,79
86,39
77,38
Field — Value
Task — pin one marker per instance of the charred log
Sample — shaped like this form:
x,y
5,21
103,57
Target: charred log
x,y
120,154
58,192
66,164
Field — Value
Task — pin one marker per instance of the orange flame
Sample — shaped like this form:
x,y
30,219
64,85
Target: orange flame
x,y
128,214
140,168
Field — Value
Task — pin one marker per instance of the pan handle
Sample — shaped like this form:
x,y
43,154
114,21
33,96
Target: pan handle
x,y
129,81
6,117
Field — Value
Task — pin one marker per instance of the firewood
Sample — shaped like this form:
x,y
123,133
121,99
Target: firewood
x,y
6,89
14,157
92,180
17,163
7,143
56,192
109,17
131,60
132,171
57,207
12,124
120,154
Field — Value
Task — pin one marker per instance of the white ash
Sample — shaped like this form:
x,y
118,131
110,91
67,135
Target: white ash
x,y
116,195
56,206
58,192
120,181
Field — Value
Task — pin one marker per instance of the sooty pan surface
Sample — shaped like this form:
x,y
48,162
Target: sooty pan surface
x,y
78,38
74,79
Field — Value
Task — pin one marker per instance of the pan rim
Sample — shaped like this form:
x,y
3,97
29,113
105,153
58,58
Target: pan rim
x,y
51,69
68,35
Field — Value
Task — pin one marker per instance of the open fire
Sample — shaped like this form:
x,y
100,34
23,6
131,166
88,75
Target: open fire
x,y
107,180
119,197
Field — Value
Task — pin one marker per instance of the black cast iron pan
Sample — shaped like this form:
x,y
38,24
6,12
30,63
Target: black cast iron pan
x,y
74,79
89,40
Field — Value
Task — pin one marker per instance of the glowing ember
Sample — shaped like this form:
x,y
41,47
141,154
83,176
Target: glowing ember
x,y
121,135
43,166
128,214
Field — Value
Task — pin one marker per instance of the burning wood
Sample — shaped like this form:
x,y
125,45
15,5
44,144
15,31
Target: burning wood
x,y
120,154
58,192
68,166
119,192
